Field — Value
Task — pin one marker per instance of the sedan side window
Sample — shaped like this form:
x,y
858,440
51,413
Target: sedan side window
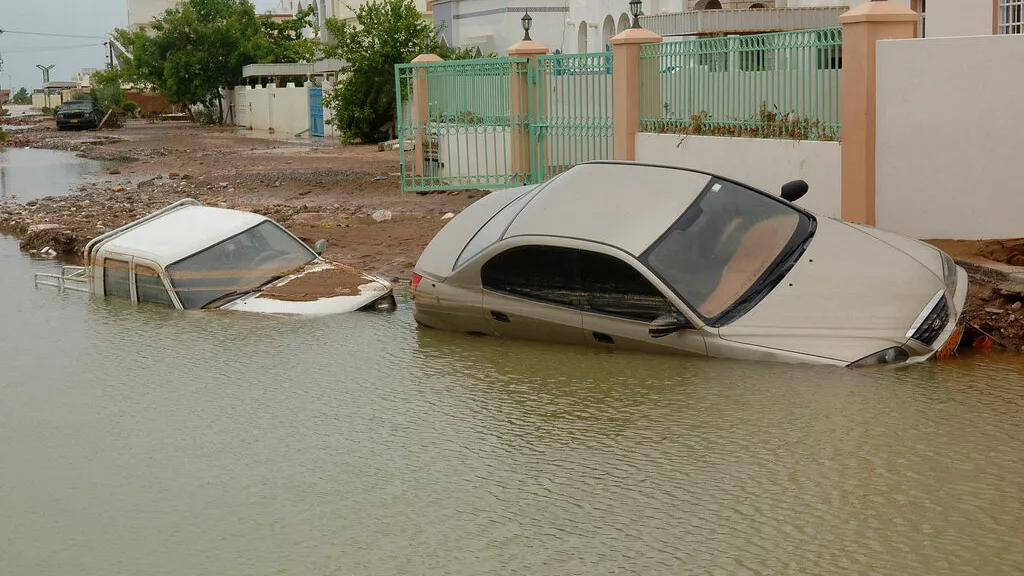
x,y
150,288
611,286
115,279
545,273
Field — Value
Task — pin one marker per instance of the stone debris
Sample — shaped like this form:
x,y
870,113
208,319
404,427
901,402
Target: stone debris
x,y
448,216
381,215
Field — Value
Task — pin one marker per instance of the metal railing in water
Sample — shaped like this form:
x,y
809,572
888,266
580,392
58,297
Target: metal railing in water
x,y
70,278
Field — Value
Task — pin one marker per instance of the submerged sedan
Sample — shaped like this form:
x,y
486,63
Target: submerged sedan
x,y
656,258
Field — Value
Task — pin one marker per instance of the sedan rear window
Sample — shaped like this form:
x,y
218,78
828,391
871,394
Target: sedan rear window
x,y
727,247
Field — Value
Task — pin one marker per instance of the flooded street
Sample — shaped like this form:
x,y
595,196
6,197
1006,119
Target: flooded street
x,y
32,174
138,440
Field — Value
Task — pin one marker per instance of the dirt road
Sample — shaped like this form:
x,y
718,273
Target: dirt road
x,y
329,193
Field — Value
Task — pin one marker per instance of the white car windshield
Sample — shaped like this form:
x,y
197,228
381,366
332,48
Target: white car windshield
x,y
728,248
240,263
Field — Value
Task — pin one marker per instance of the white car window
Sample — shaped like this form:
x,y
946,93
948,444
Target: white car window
x,y
150,288
115,279
491,232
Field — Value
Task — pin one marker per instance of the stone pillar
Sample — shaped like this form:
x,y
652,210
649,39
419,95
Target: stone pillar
x,y
626,88
863,26
420,114
523,99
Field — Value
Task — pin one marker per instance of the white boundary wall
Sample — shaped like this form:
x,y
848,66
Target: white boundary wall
x,y
762,163
950,137
283,109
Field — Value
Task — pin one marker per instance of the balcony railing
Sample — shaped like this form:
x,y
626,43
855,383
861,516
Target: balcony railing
x,y
742,21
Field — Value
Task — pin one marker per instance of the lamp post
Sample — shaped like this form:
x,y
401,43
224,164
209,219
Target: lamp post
x,y
527,22
635,7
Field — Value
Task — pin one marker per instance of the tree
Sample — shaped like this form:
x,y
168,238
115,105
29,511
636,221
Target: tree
x,y
21,97
200,46
106,88
387,32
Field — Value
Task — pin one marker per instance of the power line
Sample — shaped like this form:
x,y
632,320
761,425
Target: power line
x,y
4,31
51,49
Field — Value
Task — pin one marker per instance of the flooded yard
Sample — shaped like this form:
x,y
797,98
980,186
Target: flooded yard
x,y
149,441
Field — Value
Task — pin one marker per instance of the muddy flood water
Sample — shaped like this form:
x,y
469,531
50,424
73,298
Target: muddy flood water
x,y
146,441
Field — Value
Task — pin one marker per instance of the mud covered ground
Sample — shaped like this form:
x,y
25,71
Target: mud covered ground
x,y
330,193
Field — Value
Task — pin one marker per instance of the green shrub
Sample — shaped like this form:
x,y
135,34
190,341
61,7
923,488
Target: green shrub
x,y
130,107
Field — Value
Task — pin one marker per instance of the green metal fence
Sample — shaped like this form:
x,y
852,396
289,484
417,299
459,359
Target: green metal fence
x,y
493,123
456,120
573,122
783,85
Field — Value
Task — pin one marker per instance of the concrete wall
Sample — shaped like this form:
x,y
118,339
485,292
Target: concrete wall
x,y
765,164
958,18
949,137
283,109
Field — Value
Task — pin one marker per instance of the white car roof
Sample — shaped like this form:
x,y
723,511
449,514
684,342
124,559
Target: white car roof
x,y
624,205
181,232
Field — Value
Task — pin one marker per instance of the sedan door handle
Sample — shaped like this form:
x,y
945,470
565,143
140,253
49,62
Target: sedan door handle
x,y
500,316
603,338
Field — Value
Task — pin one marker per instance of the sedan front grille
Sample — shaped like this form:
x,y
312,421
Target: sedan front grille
x,y
933,324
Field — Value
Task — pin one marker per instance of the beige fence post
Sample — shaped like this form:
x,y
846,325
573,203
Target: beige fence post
x,y
626,88
863,26
522,101
420,113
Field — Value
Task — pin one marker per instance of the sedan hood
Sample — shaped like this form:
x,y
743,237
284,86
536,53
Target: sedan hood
x,y
851,294
319,288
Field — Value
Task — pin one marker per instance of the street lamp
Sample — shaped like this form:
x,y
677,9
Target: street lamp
x,y
527,22
635,7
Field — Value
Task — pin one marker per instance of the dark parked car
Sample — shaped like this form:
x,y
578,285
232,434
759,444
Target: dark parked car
x,y
79,114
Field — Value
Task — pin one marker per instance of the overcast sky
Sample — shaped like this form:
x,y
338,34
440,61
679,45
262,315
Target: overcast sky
x,y
90,18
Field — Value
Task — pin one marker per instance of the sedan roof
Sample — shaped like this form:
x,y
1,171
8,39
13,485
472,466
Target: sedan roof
x,y
625,205
181,232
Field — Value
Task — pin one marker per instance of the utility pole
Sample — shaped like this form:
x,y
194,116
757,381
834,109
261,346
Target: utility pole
x,y
46,80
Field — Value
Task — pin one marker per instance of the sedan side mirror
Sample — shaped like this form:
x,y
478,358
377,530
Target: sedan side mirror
x,y
667,324
795,190
320,247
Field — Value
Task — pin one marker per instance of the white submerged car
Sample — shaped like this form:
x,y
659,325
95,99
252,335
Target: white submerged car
x,y
626,255
188,256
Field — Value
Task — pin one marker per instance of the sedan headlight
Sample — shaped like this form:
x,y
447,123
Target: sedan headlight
x,y
949,273
894,355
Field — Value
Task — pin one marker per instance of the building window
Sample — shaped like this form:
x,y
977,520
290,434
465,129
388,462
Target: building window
x,y
1011,17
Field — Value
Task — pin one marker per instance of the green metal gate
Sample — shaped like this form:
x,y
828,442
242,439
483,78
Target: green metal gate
x,y
573,120
500,122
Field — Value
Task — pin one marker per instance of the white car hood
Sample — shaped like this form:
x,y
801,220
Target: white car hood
x,y
851,294
318,289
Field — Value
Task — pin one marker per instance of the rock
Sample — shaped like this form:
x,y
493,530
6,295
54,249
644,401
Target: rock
x,y
1016,306
309,218
448,216
117,188
113,171
994,310
187,176
173,175
381,215
40,227
379,178
48,252
1017,260
223,184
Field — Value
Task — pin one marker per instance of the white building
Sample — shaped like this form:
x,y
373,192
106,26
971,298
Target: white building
x,y
576,26
142,12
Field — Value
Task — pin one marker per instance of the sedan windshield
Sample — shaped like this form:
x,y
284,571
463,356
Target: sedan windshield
x,y
729,248
67,106
243,262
